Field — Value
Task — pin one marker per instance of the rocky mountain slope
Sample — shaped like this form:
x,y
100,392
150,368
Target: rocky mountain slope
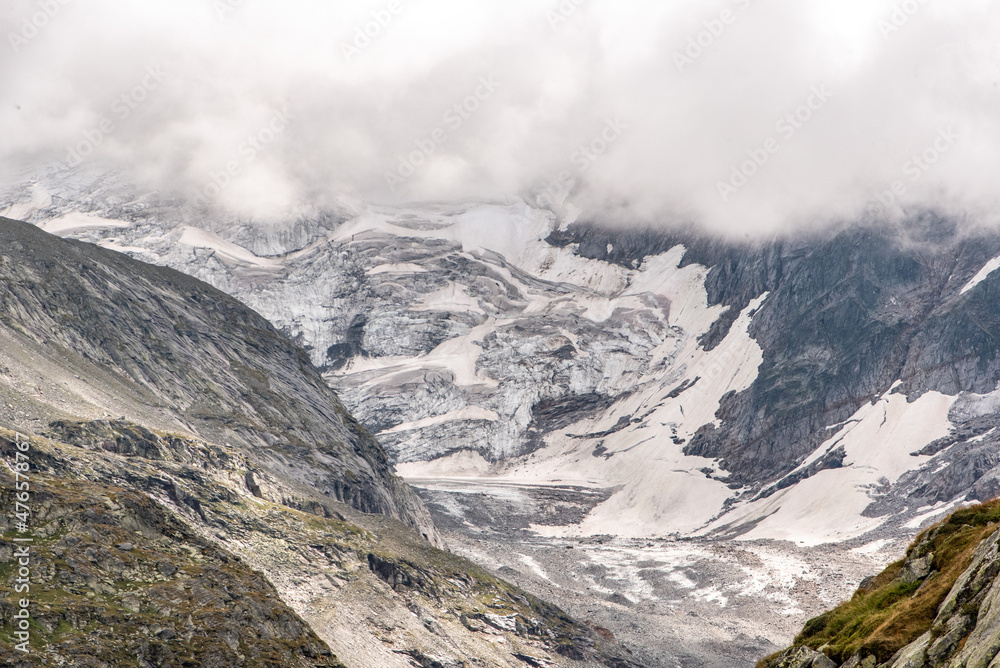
x,y
199,489
118,580
172,352
640,395
696,385
936,607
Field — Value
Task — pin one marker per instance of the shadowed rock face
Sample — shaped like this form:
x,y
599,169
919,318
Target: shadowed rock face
x,y
191,358
859,312
849,313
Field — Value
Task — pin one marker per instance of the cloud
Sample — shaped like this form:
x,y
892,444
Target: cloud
x,y
715,104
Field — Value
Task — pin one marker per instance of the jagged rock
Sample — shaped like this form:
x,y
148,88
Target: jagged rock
x,y
802,657
916,569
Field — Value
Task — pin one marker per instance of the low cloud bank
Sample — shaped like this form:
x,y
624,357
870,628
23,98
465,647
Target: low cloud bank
x,y
745,116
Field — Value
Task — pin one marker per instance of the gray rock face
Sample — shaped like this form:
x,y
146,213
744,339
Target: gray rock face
x,y
194,358
803,657
849,318
438,344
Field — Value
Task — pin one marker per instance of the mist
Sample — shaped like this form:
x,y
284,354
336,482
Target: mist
x,y
744,116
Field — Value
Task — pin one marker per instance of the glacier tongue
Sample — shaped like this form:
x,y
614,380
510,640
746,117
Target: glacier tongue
x,y
475,349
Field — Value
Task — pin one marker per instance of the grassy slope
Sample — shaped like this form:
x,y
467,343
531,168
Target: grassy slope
x,y
887,613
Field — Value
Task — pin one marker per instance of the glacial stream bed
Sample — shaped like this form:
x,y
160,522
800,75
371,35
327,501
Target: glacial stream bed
x,y
675,602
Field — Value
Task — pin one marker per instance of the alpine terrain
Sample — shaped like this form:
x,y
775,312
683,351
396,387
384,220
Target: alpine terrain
x,y
697,443
199,496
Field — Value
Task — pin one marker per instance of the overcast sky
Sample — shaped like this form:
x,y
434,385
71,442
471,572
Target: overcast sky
x,y
642,110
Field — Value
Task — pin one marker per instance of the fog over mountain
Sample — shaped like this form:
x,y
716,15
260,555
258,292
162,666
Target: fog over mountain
x,y
647,109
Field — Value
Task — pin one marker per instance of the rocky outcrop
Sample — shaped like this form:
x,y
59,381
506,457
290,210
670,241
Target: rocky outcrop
x,y
939,607
849,317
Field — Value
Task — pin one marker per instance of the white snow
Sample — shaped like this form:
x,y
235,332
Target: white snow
x,y
535,567
983,274
112,244
936,510
873,547
457,355
398,268
40,199
76,221
663,491
827,507
467,413
463,464
228,252
452,297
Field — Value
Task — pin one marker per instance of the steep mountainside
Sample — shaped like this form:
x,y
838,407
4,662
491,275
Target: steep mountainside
x,y
717,411
200,494
935,608
184,356
694,384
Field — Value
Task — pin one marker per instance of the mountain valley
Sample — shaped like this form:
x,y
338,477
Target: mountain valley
x,y
686,440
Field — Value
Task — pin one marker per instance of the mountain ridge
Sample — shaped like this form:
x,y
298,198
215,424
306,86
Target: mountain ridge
x,y
138,387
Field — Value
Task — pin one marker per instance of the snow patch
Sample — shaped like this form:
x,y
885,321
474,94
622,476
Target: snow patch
x,y
463,464
936,510
467,413
535,567
827,507
227,251
662,490
873,547
983,274
76,221
399,268
452,297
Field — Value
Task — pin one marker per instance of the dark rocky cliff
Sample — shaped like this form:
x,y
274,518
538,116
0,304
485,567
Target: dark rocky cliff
x,y
850,312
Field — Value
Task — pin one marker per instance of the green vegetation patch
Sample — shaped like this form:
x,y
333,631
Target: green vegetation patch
x,y
889,613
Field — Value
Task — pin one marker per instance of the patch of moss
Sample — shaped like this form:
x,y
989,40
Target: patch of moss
x,y
889,614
